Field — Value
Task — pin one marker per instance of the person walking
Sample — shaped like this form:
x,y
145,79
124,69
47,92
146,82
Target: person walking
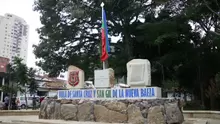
x,y
18,103
34,100
13,102
6,101
41,99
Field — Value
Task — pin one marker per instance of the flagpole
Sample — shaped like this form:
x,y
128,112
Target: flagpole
x,y
104,62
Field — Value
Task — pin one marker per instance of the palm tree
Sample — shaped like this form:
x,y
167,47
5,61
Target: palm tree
x,y
18,78
21,76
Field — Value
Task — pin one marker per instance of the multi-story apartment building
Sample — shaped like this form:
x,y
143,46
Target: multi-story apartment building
x,y
13,37
13,42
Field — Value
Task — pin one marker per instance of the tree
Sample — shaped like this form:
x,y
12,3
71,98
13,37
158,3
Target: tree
x,y
70,32
20,78
17,75
179,37
32,84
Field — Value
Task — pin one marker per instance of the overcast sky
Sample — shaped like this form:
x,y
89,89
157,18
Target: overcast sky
x,y
23,8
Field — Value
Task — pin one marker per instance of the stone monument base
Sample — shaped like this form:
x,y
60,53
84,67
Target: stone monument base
x,y
143,111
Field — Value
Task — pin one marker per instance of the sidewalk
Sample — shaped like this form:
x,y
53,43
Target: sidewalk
x,y
201,121
34,120
19,112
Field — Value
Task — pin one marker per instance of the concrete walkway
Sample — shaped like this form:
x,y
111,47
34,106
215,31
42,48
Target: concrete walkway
x,y
33,119
201,121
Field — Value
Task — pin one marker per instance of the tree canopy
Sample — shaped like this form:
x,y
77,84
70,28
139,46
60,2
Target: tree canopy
x,y
179,37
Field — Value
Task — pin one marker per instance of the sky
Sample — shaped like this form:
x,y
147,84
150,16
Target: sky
x,y
24,9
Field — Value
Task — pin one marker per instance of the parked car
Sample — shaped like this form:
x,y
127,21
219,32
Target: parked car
x,y
120,85
22,102
89,85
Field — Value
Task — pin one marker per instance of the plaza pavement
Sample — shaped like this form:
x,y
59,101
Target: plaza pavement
x,y
34,120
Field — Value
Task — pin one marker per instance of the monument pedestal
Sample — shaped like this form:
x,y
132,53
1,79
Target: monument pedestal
x,y
139,76
104,78
141,111
138,73
75,78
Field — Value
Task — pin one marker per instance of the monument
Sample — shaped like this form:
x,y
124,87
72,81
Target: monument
x,y
75,78
104,78
138,78
137,105
138,73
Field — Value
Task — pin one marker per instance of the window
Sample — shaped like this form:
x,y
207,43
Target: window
x,y
21,98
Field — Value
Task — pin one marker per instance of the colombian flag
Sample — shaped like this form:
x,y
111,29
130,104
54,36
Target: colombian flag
x,y
105,41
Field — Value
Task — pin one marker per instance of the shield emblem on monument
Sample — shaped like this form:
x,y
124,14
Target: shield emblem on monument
x,y
73,78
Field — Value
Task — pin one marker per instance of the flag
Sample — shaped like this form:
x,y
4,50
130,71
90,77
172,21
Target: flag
x,y
105,41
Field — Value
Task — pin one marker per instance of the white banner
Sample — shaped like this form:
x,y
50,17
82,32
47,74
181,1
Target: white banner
x,y
125,93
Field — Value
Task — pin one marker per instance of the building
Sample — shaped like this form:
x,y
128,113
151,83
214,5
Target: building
x,y
3,66
48,86
13,42
13,37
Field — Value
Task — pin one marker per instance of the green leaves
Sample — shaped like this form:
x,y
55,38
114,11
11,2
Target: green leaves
x,y
32,83
8,89
70,34
181,35
19,77
160,30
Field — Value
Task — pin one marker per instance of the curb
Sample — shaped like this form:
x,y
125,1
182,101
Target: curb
x,y
32,122
196,121
18,112
41,122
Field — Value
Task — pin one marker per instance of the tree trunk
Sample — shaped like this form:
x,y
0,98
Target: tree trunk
x,y
202,95
127,42
184,95
212,102
11,92
25,95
